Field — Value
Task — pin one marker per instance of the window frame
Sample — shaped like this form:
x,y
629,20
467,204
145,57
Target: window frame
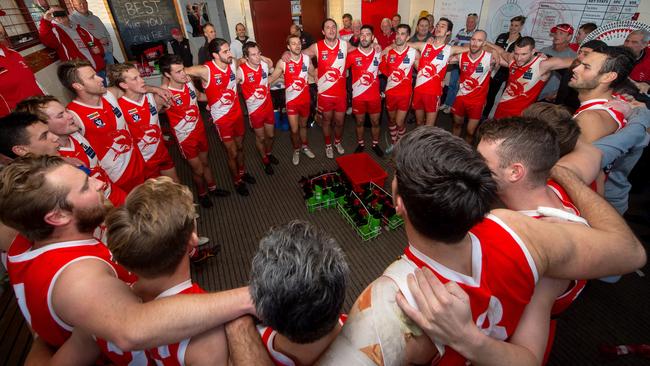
x,y
29,22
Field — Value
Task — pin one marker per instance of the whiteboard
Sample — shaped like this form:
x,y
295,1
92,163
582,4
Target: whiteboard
x,y
542,15
456,11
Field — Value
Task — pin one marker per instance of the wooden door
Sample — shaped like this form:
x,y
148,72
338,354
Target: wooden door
x,y
271,21
313,15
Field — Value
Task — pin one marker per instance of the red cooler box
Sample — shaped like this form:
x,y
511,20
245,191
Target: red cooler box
x,y
361,169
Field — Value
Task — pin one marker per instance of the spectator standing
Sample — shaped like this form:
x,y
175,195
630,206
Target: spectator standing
x,y
562,34
462,39
395,21
238,42
583,31
345,33
306,39
356,33
637,42
386,36
84,17
71,40
507,42
17,81
181,46
422,33
210,33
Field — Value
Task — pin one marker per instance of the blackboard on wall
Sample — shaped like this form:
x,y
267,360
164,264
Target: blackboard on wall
x,y
142,21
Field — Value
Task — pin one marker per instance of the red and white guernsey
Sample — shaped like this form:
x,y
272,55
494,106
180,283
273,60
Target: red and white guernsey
x,y
502,282
33,274
184,114
221,92
105,128
398,68
364,67
474,80
522,89
296,80
255,88
268,336
117,357
599,105
143,121
174,354
80,149
331,69
432,68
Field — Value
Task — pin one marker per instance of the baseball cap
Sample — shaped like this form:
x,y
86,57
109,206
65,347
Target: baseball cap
x,y
176,32
566,28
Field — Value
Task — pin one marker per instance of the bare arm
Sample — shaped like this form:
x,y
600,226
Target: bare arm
x,y
417,45
245,344
572,251
311,51
555,63
457,50
277,72
595,124
7,236
584,160
208,348
87,295
39,354
79,349
198,71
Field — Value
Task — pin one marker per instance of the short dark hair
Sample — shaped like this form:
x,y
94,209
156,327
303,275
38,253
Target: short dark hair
x,y
619,60
450,24
247,46
445,185
347,15
368,27
397,15
115,73
594,44
298,281
404,26
12,131
525,41
165,63
519,18
526,140
322,26
421,19
67,72
215,45
560,120
588,27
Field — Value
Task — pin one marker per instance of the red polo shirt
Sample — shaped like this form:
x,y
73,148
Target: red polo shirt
x,y
17,80
641,70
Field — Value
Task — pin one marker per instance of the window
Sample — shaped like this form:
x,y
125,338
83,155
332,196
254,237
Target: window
x,y
21,21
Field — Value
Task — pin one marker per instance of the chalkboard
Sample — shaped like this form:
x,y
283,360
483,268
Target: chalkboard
x,y
142,21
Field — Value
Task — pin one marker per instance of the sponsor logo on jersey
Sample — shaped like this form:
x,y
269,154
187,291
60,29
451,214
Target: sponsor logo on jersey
x,y
152,109
192,94
479,68
406,60
340,55
264,74
304,67
528,75
232,76
117,112
441,56
375,62
88,150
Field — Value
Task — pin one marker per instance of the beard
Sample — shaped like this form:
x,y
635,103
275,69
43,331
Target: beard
x,y
88,218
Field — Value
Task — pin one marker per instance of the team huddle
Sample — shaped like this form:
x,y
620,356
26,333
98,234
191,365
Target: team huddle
x,y
97,230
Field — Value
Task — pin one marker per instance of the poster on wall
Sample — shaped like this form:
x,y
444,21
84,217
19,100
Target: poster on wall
x,y
196,16
457,11
542,15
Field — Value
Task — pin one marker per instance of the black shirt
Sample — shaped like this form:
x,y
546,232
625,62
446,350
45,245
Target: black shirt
x,y
182,49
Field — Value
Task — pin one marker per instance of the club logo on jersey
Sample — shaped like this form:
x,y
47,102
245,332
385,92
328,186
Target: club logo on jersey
x,y
366,78
332,75
291,68
217,79
426,53
357,61
134,114
391,59
323,55
177,99
528,75
340,55
96,119
151,135
464,67
122,142
251,77
260,93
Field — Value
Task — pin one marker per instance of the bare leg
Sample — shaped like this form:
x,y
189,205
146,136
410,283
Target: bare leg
x,y
419,117
171,173
431,118
471,129
458,125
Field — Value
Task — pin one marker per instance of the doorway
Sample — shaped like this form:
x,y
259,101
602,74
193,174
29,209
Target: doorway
x,y
271,21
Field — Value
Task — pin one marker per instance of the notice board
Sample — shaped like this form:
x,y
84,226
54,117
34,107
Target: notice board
x,y
142,21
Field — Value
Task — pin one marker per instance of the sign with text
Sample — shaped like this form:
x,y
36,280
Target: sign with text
x,y
143,21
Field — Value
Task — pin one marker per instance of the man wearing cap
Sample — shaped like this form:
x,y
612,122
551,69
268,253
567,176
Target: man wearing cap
x,y
562,34
181,46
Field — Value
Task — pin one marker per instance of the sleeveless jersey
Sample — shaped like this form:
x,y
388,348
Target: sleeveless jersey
x,y
221,92
143,121
184,114
105,128
474,80
432,68
331,69
599,105
522,89
398,68
80,149
296,75
255,88
268,336
19,245
117,357
501,285
34,272
364,67
174,354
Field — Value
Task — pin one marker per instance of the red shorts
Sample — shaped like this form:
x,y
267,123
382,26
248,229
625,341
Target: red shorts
x,y
159,162
366,106
470,107
261,118
300,109
328,104
428,102
228,130
397,102
193,145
